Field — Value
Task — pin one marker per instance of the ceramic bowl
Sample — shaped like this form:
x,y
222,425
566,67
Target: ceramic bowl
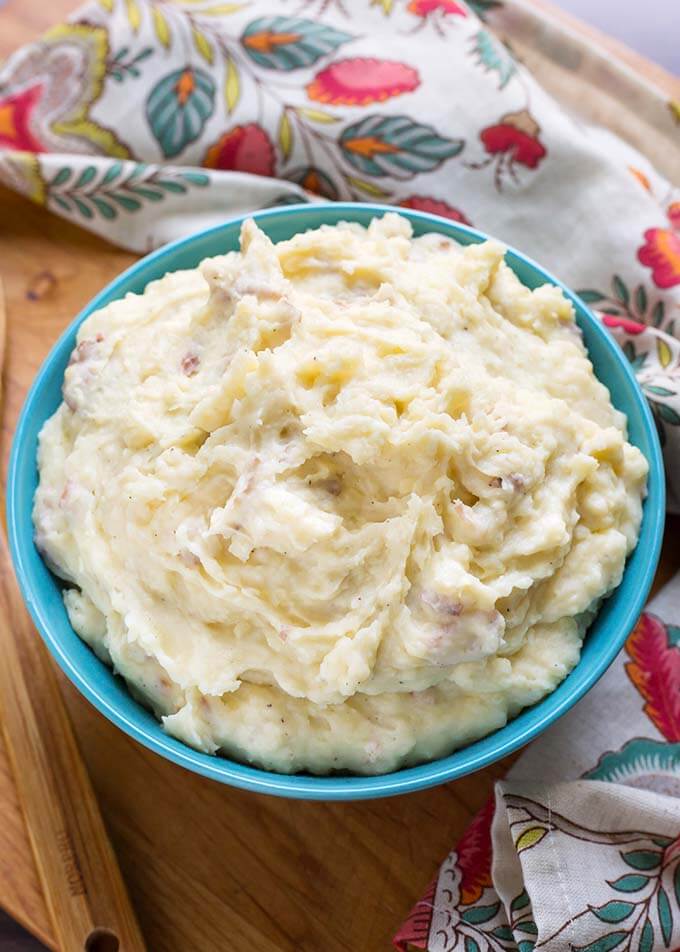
x,y
42,591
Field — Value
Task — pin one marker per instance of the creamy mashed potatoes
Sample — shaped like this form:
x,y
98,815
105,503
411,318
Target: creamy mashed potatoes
x,y
347,501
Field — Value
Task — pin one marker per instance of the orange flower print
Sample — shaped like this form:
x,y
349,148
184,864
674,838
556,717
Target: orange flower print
x,y
357,82
423,8
661,253
433,206
641,177
242,149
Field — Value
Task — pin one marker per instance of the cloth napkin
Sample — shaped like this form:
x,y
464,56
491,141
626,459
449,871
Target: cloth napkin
x,y
579,848
143,121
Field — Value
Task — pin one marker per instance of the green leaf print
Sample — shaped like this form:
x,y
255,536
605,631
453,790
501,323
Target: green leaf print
x,y
475,915
124,186
615,911
287,43
590,296
668,414
658,313
519,902
676,884
663,908
642,859
629,883
604,944
646,938
641,299
482,7
471,945
494,57
621,292
178,108
395,145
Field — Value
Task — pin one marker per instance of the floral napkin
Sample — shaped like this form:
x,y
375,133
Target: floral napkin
x,y
579,849
143,121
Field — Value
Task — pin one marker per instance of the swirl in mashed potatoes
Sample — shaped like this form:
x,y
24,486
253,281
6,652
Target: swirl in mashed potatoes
x,y
347,501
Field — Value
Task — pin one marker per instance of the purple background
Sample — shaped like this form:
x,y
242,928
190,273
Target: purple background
x,y
652,27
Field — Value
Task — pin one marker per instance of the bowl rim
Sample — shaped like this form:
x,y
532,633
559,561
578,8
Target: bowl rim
x,y
529,723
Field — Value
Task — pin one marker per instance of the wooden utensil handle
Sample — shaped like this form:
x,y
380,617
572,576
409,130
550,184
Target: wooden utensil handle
x,y
83,886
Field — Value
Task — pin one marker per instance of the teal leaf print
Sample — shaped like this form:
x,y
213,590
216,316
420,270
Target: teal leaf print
x,y
529,927
615,911
471,945
395,145
493,56
287,43
590,296
620,290
105,209
519,902
629,883
659,392
668,414
646,938
121,66
658,313
196,178
663,908
641,299
503,932
129,204
287,199
482,7
123,186
178,108
86,176
526,945
62,176
604,944
642,859
637,758
676,884
475,915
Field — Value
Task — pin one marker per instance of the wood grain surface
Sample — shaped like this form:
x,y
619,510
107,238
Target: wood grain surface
x,y
82,884
208,868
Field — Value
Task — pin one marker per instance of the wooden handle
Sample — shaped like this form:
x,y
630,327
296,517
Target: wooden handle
x,y
84,890
83,886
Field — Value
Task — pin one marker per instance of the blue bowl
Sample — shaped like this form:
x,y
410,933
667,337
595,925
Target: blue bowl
x,y
108,693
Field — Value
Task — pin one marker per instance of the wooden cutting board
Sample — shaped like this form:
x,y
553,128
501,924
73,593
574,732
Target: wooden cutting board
x,y
208,868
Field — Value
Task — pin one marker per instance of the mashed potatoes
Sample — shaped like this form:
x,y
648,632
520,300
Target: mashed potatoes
x,y
347,501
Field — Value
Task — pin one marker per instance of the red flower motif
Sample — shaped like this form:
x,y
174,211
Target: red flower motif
x,y
423,8
661,253
654,669
516,136
433,206
630,327
15,120
357,82
242,149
